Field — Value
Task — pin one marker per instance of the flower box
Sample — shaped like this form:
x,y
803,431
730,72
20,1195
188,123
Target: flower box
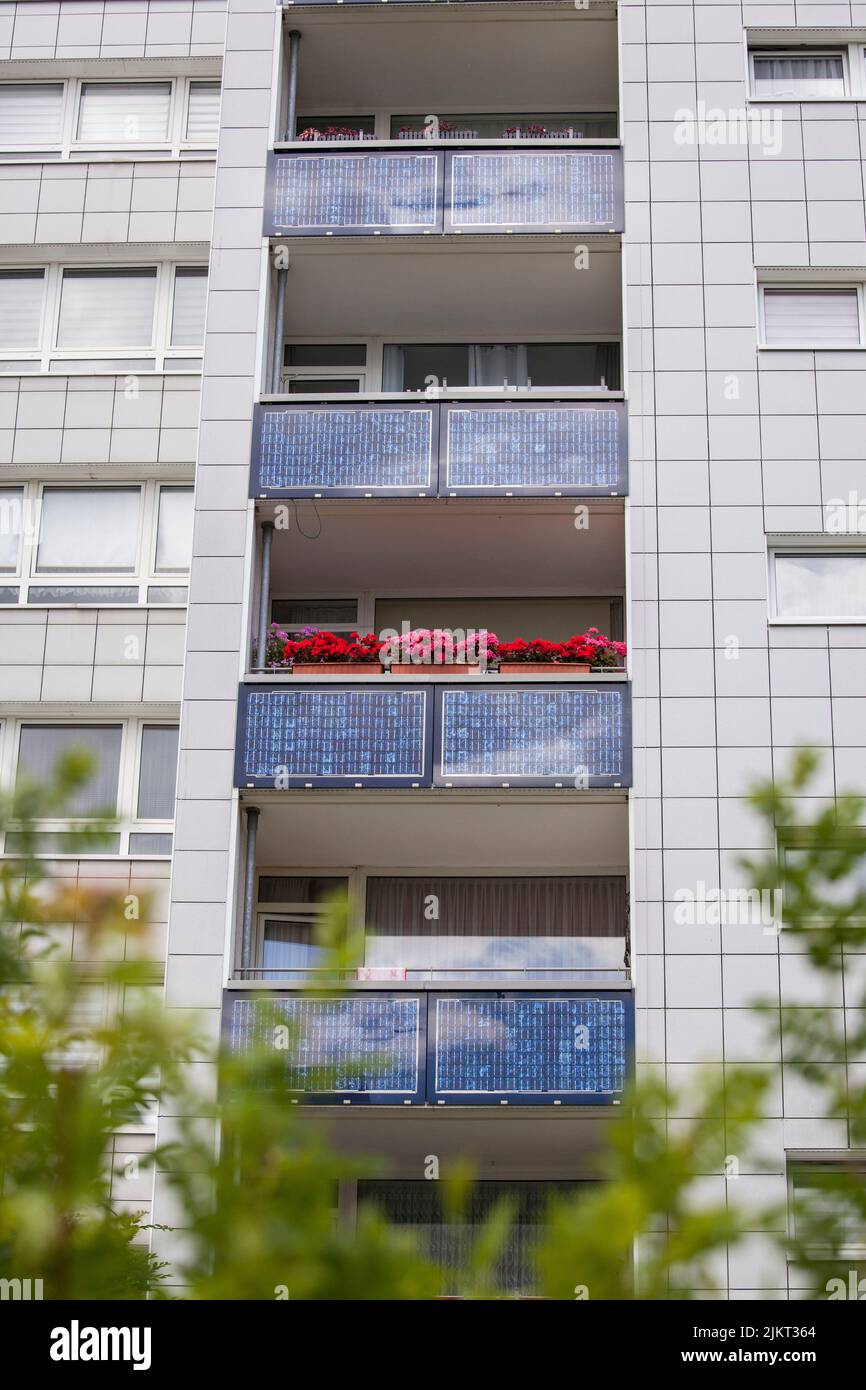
x,y
454,668
337,668
544,668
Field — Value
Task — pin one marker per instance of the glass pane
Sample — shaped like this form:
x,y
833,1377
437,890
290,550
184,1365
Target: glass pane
x,y
63,842
88,529
328,355
8,595
174,530
107,308
115,112
20,309
142,842
89,365
157,780
334,127
787,75
523,125
30,114
323,386
314,612
203,114
821,586
79,593
12,520
287,889
187,314
42,745
167,593
290,946
426,364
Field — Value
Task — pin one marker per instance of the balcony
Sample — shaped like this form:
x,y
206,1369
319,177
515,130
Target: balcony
x,y
439,449
423,1048
398,192
381,732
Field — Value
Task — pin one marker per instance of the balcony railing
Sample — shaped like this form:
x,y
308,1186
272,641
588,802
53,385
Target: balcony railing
x,y
456,1048
412,192
568,736
444,449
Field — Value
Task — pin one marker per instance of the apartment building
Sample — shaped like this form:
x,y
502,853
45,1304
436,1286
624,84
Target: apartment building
x,y
523,316
109,117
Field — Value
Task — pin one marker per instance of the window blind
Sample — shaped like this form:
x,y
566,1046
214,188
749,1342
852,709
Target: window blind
x,y
41,745
11,526
88,529
107,308
30,113
811,317
158,775
20,308
174,529
203,112
188,309
786,75
114,112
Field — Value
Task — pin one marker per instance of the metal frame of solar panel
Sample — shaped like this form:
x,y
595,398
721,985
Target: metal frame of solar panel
x,y
265,1013
502,692
529,1057
364,409
615,486
342,159
300,689
578,160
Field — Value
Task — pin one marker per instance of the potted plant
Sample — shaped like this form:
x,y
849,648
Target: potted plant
x,y
425,649
538,658
606,655
326,653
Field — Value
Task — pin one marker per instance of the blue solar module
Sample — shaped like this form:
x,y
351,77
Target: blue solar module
x,y
379,191
528,1049
362,1045
533,736
534,190
332,736
344,450
535,448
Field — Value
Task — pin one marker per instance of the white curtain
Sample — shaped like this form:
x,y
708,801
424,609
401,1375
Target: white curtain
x,y
492,364
158,772
188,309
788,76
42,744
203,115
174,531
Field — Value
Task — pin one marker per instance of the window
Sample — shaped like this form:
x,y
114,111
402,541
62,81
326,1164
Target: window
x,y
106,308
829,1203
87,545
798,76
30,114
290,909
493,366
324,369
133,783
111,319
335,128
332,615
526,125
825,317
71,119
822,586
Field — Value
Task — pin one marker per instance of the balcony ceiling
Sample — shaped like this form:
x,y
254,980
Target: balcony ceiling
x,y
509,548
563,832
405,61
413,291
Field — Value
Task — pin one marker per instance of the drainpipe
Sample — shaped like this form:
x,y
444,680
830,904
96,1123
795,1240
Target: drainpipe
x,y
292,111
249,890
264,594
279,329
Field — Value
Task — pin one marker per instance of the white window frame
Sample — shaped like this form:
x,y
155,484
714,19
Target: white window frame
x,y
852,72
69,147
144,575
158,352
852,1159
802,285
126,822
812,546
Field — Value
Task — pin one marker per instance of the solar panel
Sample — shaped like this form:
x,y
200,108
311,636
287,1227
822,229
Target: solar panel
x,y
535,448
528,1048
344,450
379,191
534,190
533,736
361,1045
333,736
